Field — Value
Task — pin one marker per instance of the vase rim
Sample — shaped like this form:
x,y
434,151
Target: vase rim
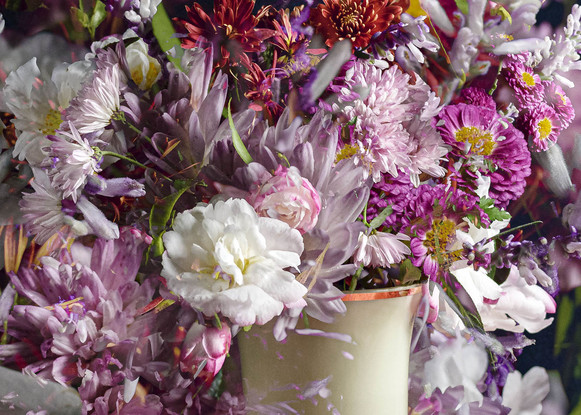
x,y
383,293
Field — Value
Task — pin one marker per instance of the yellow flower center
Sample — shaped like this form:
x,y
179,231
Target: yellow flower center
x,y
443,232
52,122
529,79
150,76
545,126
346,152
481,141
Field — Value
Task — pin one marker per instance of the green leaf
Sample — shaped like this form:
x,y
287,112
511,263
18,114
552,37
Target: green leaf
x,y
99,14
409,273
161,211
81,16
565,313
164,33
494,213
237,141
379,219
462,6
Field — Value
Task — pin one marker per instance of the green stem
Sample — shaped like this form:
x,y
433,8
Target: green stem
x,y
113,154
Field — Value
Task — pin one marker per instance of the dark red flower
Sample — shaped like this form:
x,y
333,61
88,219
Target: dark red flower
x,y
231,30
356,20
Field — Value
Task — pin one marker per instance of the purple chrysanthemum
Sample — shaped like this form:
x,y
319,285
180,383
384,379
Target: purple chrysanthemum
x,y
488,143
478,97
81,307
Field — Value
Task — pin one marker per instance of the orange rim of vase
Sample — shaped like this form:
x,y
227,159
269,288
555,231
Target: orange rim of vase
x,y
364,295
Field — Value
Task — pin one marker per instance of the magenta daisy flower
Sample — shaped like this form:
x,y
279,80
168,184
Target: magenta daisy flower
x,y
541,125
560,102
489,144
526,84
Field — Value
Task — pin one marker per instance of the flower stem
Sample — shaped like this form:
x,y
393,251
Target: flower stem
x,y
130,160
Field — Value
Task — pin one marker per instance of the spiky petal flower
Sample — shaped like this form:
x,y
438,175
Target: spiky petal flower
x,y
490,144
224,258
381,249
231,30
392,131
81,305
93,109
355,20
70,161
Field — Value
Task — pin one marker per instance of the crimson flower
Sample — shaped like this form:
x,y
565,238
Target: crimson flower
x,y
231,29
356,20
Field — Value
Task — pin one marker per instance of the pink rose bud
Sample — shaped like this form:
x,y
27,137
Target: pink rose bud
x,y
288,197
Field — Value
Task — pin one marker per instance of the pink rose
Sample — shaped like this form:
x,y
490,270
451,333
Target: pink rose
x,y
289,197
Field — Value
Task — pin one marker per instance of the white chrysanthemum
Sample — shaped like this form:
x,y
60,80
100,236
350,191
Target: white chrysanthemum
x,y
94,107
393,123
37,102
71,160
224,258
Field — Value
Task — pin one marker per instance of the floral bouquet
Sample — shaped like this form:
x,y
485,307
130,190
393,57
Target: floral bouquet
x,y
181,180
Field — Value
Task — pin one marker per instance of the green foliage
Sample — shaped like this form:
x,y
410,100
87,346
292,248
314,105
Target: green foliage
x,y
494,213
379,219
237,141
409,273
160,215
90,22
164,33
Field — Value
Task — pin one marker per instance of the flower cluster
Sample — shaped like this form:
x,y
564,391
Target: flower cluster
x,y
176,188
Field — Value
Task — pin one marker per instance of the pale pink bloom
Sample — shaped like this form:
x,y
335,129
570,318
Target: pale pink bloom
x,y
520,307
288,197
381,249
525,394
392,130
70,161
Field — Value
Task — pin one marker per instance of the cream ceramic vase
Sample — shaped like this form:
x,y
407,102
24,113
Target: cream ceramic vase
x,y
319,375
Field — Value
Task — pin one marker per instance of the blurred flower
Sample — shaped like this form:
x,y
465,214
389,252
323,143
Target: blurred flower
x,y
525,394
224,258
38,102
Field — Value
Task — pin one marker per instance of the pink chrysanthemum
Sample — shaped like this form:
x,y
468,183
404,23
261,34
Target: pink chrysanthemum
x,y
490,144
392,131
526,84
541,125
560,102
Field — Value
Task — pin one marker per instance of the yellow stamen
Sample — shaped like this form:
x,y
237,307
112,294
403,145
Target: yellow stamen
x,y
52,122
481,141
529,79
545,127
346,152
